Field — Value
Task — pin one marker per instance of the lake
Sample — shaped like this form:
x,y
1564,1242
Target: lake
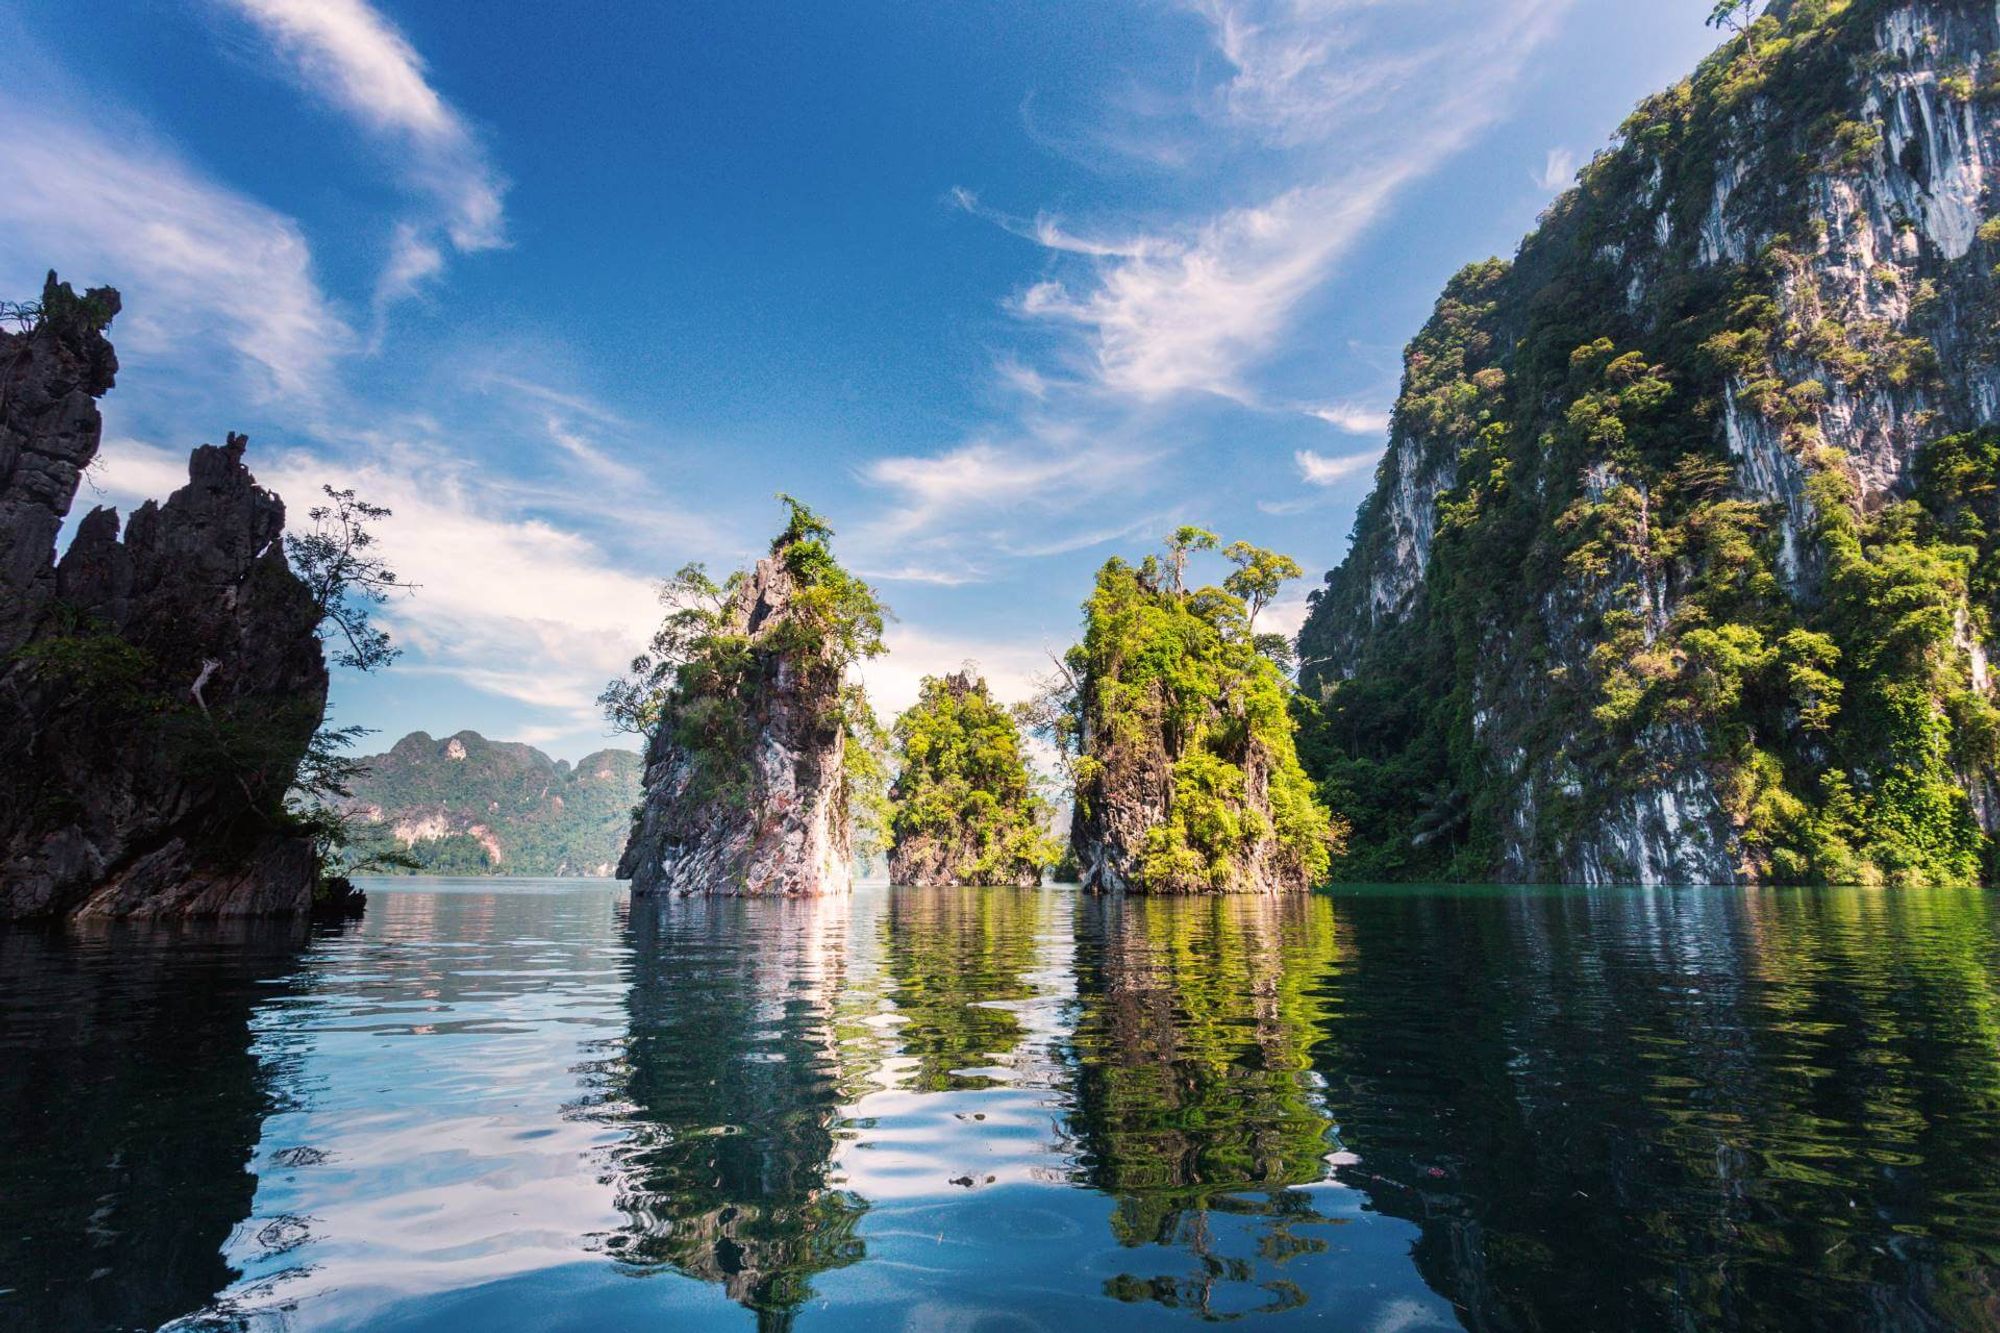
x,y
537,1105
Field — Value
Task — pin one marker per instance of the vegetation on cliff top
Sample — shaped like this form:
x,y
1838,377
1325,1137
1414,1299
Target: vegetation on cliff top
x,y
702,673
964,802
1162,667
1594,487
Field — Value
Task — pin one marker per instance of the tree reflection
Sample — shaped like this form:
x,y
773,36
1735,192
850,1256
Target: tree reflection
x,y
731,1081
129,1113
1680,1108
1197,1108
957,958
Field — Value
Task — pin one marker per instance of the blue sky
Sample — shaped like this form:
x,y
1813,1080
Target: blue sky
x,y
1002,289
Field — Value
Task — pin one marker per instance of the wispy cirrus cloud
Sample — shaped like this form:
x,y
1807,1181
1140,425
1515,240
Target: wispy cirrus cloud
x,y
952,514
1352,418
198,263
1320,470
350,56
1160,310
1558,170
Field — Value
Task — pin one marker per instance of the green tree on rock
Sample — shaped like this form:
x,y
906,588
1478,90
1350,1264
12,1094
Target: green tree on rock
x,y
1180,738
964,808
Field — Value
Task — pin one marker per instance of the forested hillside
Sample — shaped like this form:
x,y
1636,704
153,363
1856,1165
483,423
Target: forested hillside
x,y
469,806
1681,565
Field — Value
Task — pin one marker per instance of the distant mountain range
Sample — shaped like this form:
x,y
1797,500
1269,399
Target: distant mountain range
x,y
465,805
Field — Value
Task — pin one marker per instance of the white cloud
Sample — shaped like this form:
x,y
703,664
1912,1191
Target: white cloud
x,y
1295,78
348,54
1164,315
568,401
1320,470
1193,307
413,260
593,459
1287,614
1352,418
1558,170
196,262
973,476
954,511
1010,667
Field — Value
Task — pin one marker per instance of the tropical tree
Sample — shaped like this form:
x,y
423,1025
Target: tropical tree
x,y
1184,539
1736,15
1259,575
348,580
697,607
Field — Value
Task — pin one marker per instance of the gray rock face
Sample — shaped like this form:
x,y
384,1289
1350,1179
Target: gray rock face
x,y
156,692
765,813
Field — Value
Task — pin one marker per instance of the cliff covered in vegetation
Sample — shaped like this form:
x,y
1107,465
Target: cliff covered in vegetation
x,y
964,808
157,691
759,750
1181,736
466,805
1681,563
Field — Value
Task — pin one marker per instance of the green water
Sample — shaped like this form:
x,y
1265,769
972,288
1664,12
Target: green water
x,y
535,1105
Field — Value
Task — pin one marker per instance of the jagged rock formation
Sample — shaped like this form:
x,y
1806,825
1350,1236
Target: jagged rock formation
x,y
1679,567
964,805
750,767
1187,780
468,805
156,692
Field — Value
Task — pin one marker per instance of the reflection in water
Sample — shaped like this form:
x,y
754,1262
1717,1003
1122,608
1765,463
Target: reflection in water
x,y
961,963
1681,1108
496,1106
732,1082
130,1104
1197,1106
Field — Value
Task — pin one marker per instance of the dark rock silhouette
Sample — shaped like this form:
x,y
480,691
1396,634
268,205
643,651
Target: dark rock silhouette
x,y
156,691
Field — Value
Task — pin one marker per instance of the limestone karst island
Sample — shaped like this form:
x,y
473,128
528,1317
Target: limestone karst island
x,y
1098,665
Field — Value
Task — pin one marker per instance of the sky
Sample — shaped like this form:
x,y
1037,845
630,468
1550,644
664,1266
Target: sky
x,y
1001,289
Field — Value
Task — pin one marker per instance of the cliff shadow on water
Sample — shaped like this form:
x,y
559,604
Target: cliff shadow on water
x,y
130,1113
1677,1108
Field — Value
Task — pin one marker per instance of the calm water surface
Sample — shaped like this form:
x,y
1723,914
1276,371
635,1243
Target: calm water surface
x,y
534,1105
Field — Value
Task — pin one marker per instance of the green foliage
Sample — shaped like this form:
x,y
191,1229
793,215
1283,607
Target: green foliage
x,y
865,767
1598,585
963,786
336,560
545,817
1161,669
348,579
1259,576
62,309
86,662
702,678
1736,14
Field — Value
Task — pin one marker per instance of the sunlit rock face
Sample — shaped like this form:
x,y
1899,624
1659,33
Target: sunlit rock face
x,y
767,811
159,688
1841,179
